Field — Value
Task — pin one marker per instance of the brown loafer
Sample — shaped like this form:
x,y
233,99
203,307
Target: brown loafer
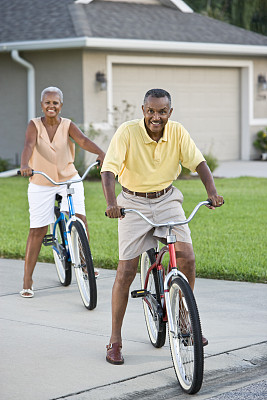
x,y
114,355
205,341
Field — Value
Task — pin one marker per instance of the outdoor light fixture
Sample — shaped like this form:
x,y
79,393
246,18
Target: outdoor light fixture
x,y
101,80
262,83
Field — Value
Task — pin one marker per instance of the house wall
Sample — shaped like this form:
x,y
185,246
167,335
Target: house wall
x,y
95,99
52,68
13,107
74,72
232,78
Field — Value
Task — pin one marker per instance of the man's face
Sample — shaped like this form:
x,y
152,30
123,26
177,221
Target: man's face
x,y
156,111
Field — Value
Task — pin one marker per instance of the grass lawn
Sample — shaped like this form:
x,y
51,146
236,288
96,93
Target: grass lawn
x,y
229,242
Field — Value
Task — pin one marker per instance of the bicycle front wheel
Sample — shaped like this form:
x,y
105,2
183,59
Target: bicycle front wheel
x,y
156,328
83,265
63,265
186,339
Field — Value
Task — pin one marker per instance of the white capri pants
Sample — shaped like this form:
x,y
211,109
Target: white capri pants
x,y
42,200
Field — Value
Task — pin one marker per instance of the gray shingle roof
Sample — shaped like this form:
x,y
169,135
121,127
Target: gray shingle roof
x,y
23,20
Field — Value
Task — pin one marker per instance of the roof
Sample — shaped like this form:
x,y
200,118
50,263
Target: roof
x,y
25,20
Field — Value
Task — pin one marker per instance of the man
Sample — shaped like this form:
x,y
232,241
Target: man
x,y
146,156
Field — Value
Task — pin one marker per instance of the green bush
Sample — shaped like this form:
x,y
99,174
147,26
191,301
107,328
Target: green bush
x,y
211,161
5,164
261,141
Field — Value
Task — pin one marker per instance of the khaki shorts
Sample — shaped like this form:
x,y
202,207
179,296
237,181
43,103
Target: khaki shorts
x,y
42,200
136,235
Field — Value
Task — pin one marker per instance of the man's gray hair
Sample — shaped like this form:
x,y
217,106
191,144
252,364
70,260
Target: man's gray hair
x,y
54,90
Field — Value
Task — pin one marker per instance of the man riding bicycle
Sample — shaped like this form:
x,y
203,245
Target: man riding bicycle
x,y
146,156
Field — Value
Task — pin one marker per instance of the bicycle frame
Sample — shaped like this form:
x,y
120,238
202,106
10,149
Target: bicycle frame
x,y
72,216
172,270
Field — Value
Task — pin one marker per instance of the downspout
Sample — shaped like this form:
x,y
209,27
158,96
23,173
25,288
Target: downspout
x,y
30,82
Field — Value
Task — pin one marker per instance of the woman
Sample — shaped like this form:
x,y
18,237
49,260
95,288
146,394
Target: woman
x,y
48,147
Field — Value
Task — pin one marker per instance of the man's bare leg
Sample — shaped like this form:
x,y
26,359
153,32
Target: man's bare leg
x,y
186,261
125,275
120,293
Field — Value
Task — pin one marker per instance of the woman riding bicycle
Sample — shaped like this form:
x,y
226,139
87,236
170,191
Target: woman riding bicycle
x,y
48,148
145,154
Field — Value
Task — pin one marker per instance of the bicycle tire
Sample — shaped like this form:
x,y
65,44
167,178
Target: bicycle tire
x,y
186,340
156,328
84,269
63,265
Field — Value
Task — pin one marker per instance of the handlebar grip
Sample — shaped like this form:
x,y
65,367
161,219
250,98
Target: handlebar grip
x,y
19,173
210,202
122,212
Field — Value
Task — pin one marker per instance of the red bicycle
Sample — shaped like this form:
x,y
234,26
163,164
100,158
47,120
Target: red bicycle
x,y
167,297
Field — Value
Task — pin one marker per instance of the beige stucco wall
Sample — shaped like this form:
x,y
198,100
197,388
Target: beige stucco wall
x,y
74,72
123,91
95,100
260,98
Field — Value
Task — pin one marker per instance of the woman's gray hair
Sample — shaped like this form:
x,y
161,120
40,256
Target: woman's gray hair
x,y
52,89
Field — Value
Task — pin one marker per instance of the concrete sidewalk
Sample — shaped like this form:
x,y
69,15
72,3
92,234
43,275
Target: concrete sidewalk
x,y
235,169
52,347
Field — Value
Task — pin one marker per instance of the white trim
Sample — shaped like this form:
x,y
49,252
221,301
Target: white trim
x,y
182,6
247,87
136,45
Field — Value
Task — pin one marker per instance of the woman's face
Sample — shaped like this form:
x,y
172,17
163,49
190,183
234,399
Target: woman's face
x,y
51,104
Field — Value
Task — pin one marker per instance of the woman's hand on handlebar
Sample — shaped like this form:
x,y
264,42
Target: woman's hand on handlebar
x,y
25,170
100,158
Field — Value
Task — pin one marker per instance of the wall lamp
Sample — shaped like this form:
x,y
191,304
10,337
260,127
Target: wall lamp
x,y
101,80
262,83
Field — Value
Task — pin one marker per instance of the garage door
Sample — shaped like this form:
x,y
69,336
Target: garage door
x,y
205,100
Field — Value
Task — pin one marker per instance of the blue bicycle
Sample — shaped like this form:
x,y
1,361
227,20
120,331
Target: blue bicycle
x,y
70,245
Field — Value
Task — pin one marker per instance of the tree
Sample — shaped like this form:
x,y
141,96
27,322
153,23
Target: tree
x,y
247,14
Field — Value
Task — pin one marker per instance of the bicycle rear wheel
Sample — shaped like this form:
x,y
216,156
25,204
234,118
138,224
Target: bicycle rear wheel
x,y
84,268
156,328
63,265
186,340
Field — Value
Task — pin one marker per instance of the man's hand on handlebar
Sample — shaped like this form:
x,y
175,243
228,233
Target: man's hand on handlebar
x,y
216,201
114,211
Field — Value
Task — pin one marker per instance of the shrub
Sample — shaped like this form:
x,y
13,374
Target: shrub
x,y
211,161
261,140
5,164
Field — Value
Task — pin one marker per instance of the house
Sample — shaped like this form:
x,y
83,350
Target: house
x,y
105,54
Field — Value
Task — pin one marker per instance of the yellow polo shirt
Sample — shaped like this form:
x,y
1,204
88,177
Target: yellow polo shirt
x,y
143,165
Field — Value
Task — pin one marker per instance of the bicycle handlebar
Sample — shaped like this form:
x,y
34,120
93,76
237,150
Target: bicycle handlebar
x,y
70,182
170,223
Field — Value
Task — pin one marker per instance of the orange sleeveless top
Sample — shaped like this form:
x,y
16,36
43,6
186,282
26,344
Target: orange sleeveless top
x,y
54,158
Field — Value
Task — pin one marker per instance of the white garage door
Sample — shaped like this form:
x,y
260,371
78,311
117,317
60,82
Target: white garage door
x,y
205,100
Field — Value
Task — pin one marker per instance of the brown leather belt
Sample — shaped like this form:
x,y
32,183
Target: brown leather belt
x,y
149,195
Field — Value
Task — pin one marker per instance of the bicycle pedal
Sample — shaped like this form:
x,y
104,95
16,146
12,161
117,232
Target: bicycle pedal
x,y
49,240
139,293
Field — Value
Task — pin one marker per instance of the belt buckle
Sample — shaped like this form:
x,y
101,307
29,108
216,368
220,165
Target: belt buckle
x,y
158,194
